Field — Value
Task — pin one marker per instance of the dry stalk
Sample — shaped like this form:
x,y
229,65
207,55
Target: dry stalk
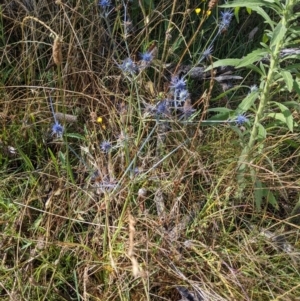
x,y
136,270
56,48
39,21
160,203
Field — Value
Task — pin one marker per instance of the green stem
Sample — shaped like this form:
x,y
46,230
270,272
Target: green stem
x,y
244,159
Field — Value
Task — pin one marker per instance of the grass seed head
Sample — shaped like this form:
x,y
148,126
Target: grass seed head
x,y
212,4
56,51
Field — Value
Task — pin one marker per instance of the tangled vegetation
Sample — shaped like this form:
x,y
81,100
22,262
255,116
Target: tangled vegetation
x,y
149,150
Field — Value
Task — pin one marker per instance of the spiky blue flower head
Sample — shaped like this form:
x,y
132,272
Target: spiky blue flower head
x,y
104,3
162,107
178,84
128,66
146,57
241,119
105,146
183,95
207,52
57,129
226,17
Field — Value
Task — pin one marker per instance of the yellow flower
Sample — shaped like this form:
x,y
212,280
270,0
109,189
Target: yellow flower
x,y
100,120
208,13
197,11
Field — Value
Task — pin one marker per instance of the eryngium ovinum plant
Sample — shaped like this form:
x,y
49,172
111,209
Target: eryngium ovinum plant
x,y
178,104
175,108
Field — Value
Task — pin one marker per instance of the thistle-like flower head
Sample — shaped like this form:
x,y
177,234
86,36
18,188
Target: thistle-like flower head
x,y
146,57
105,146
104,3
128,66
241,119
207,52
183,95
226,17
162,108
57,129
178,84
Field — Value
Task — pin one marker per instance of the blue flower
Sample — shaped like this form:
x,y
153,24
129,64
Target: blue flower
x,y
178,84
57,129
128,66
183,95
146,57
105,146
104,3
241,119
162,107
207,52
226,17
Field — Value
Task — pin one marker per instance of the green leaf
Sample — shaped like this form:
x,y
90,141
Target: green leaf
x,y
26,160
268,20
261,192
252,57
283,119
74,135
236,13
62,157
295,105
265,38
262,133
222,116
285,116
270,198
177,43
225,62
288,78
247,103
54,160
256,69
262,68
229,91
296,86
243,3
278,34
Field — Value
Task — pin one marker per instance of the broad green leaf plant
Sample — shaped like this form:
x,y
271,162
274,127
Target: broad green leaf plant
x,y
275,76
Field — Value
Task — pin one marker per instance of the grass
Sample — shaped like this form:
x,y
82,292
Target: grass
x,y
158,211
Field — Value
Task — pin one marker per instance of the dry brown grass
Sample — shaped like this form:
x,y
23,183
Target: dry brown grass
x,y
81,224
